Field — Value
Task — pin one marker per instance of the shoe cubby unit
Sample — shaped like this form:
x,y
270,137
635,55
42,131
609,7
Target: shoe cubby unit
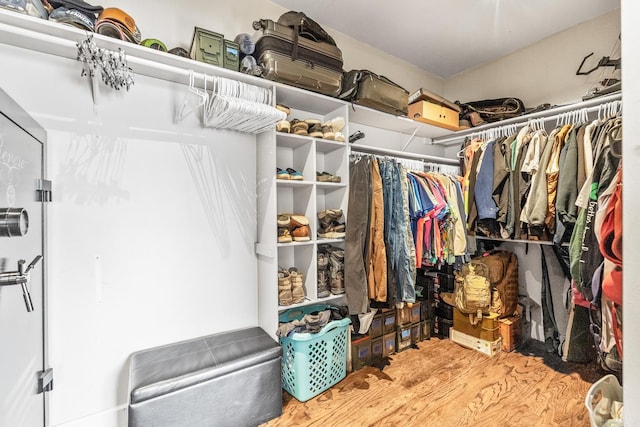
x,y
299,174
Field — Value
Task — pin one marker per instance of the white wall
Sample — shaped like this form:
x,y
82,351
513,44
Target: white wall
x,y
631,202
545,71
151,230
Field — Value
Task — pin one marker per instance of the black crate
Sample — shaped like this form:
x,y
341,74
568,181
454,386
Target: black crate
x,y
425,330
361,352
389,321
441,327
427,309
377,349
444,310
403,338
375,330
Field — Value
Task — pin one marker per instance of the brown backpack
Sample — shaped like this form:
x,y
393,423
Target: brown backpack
x,y
503,275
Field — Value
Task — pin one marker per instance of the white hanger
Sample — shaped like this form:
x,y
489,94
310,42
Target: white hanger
x,y
193,100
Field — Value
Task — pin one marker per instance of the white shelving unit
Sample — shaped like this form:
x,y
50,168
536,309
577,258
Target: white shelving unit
x,y
307,197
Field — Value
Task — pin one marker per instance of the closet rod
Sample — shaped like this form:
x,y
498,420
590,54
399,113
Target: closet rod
x,y
550,114
402,154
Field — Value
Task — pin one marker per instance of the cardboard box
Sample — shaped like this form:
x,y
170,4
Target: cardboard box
x,y
489,348
511,331
434,114
487,329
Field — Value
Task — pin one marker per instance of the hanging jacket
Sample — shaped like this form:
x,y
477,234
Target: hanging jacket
x,y
537,207
566,209
531,165
552,171
501,175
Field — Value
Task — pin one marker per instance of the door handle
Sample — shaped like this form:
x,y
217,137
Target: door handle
x,y
21,277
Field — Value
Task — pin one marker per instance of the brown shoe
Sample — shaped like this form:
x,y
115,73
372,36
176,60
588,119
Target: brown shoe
x,y
298,220
301,234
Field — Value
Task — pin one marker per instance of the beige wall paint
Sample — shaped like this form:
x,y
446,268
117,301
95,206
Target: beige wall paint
x,y
545,71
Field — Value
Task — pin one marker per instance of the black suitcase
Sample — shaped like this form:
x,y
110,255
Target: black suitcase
x,y
289,58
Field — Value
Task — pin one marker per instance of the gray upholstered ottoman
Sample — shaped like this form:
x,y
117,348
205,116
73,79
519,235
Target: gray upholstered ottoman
x,y
227,379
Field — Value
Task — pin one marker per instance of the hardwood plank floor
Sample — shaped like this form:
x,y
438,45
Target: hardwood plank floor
x,y
443,384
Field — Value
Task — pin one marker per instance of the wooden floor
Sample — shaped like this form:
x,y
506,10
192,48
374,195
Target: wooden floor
x,y
443,384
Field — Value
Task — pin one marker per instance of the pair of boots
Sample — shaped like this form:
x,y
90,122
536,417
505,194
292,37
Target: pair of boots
x,y
290,287
330,271
331,224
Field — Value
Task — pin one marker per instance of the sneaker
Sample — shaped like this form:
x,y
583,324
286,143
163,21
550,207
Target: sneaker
x,y
323,275
295,175
315,130
285,297
282,174
339,137
297,287
301,234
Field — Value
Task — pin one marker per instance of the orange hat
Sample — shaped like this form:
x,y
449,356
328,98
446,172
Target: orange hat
x,y
126,26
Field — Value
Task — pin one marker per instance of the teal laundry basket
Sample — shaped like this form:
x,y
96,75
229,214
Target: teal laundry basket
x,y
312,363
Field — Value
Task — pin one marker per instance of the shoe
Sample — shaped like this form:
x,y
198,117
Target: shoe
x,y
301,234
339,137
336,270
327,216
297,287
315,130
295,175
334,178
285,296
323,275
284,235
283,126
312,122
332,232
328,133
336,124
283,108
298,220
299,127
280,174
284,220
323,177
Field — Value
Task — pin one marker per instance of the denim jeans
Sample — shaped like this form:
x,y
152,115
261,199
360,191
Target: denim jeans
x,y
357,235
397,233
484,186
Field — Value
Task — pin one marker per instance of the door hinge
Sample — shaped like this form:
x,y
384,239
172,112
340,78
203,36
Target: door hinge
x,y
43,190
45,380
